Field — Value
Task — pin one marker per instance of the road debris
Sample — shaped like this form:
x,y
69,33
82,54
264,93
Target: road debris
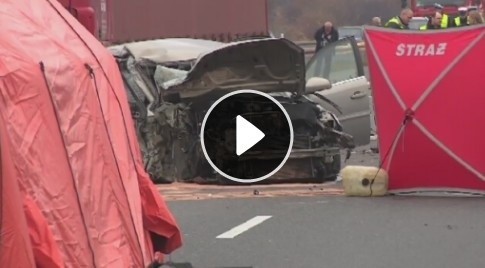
x,y
189,191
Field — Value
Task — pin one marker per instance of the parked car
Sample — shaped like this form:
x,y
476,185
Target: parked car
x,y
171,83
344,64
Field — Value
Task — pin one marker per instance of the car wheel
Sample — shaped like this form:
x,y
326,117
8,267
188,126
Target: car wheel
x,y
331,170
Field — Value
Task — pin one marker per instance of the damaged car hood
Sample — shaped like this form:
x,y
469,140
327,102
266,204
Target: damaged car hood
x,y
268,65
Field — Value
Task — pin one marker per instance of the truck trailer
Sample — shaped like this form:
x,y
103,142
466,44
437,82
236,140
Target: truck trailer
x,y
121,21
424,8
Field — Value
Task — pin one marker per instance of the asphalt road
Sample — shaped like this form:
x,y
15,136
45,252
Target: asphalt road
x,y
333,231
320,228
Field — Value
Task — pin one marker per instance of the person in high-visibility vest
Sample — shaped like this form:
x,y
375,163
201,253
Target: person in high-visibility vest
x,y
446,22
434,22
462,19
401,21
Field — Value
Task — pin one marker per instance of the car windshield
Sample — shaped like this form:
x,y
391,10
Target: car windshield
x,y
356,32
425,3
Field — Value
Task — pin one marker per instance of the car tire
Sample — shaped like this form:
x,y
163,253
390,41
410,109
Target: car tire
x,y
333,169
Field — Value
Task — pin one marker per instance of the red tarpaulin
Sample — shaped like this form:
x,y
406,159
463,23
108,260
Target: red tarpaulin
x,y
429,94
73,190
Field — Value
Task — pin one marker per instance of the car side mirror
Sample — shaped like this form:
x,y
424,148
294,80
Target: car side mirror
x,y
315,84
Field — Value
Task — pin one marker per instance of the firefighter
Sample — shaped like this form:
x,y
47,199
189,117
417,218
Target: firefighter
x,y
446,22
401,21
462,19
434,22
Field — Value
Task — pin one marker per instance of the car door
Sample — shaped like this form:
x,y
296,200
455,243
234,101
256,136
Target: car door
x,y
341,63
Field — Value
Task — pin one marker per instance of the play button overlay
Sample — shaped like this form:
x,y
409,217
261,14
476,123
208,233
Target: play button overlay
x,y
246,136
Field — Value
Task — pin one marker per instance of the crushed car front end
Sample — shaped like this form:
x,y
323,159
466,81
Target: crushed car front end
x,y
170,93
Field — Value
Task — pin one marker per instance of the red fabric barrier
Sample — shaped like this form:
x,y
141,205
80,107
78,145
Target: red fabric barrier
x,y
429,95
69,150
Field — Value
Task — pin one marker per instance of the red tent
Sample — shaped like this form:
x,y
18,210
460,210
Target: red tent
x,y
73,190
429,95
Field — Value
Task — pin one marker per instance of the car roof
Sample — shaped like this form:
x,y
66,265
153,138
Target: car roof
x,y
169,49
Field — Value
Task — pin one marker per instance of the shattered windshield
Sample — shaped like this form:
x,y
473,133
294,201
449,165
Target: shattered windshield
x,y
428,3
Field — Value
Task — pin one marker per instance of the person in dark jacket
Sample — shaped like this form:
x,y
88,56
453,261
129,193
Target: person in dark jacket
x,y
325,35
401,21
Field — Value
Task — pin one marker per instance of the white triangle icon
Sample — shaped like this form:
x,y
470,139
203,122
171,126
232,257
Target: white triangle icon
x,y
247,135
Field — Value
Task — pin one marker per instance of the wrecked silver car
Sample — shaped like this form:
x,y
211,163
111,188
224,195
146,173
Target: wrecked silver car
x,y
171,83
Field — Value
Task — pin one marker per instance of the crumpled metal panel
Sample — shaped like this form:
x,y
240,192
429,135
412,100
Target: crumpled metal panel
x,y
164,74
169,132
167,50
268,65
168,141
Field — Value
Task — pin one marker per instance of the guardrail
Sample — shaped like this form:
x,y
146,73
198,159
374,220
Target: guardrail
x,y
305,43
309,47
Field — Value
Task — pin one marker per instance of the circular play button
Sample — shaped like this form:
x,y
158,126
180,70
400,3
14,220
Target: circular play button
x,y
246,136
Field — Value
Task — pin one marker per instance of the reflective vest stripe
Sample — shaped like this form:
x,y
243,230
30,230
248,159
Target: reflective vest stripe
x,y
457,21
395,20
444,21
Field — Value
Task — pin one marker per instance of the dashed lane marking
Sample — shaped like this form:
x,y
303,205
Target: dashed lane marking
x,y
243,227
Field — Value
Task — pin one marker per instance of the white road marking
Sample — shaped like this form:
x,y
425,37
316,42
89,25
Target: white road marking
x,y
243,227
